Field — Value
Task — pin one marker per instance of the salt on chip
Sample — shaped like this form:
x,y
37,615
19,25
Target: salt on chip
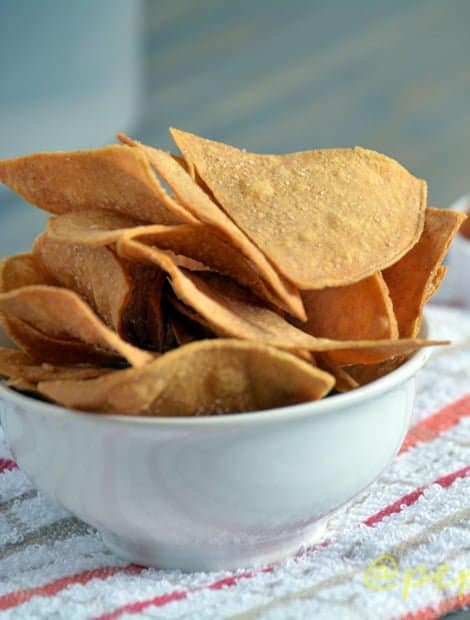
x,y
359,311
206,211
116,177
59,314
322,217
231,311
435,283
219,376
410,279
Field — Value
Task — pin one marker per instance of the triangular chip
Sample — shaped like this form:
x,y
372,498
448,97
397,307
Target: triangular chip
x,y
115,177
59,314
324,217
410,279
205,210
359,311
96,274
219,376
232,311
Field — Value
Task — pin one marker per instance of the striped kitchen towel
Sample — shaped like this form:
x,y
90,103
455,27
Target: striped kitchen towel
x,y
400,550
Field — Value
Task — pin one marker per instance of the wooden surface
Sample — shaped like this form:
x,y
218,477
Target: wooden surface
x,y
271,75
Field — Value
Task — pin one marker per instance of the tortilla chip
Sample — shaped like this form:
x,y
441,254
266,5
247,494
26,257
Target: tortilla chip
x,y
410,279
324,217
59,314
44,348
219,376
96,274
232,311
18,365
94,227
205,210
116,177
21,270
359,311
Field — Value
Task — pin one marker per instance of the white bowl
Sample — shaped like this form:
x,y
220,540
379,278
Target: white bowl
x,y
212,493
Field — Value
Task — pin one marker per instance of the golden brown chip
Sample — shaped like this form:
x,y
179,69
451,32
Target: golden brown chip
x,y
21,270
205,210
59,314
115,177
94,227
96,274
45,348
219,376
410,278
232,311
324,217
359,311
17,365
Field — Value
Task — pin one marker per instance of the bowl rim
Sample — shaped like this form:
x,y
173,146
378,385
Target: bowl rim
x,y
336,402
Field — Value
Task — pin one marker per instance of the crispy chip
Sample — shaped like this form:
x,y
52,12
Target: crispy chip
x,y
115,177
45,348
94,227
465,227
205,210
59,314
410,279
219,376
324,217
96,274
232,311
18,365
359,311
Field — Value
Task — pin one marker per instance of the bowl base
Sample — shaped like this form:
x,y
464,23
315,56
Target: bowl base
x,y
206,557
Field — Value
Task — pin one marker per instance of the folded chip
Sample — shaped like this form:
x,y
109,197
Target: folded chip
x,y
57,314
219,376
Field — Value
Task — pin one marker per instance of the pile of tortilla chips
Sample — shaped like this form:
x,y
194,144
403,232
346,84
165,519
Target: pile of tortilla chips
x,y
218,281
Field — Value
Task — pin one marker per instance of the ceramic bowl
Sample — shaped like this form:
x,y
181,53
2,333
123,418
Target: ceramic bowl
x,y
212,493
